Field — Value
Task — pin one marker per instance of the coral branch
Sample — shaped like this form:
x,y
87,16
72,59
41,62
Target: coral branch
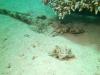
x,y
65,7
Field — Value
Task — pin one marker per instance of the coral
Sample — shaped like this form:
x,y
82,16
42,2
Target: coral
x,y
65,7
62,54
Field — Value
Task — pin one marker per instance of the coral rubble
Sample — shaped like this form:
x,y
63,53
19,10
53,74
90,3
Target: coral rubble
x,y
64,7
62,54
38,23
63,29
41,23
24,17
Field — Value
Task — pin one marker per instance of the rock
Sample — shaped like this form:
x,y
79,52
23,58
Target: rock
x,y
33,57
9,66
62,54
43,17
27,35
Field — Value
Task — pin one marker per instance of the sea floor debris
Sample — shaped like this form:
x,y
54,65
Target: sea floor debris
x,y
62,54
42,23
24,17
66,28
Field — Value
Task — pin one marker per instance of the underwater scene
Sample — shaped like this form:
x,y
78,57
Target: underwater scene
x,y
49,37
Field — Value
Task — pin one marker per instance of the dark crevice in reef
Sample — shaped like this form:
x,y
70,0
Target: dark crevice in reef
x,y
85,12
84,16
80,19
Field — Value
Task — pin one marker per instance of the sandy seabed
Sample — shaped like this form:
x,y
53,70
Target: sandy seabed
x,y
26,52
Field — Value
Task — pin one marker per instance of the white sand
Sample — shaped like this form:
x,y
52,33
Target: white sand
x,y
19,44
